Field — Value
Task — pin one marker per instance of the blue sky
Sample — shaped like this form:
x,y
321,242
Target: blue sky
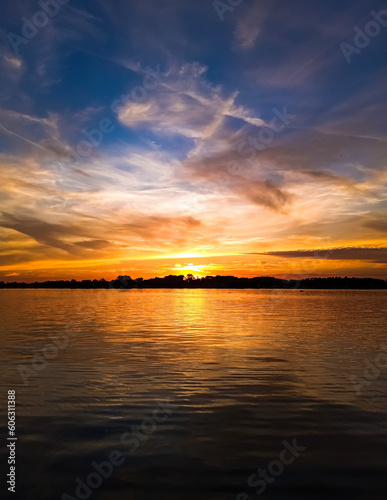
x,y
211,132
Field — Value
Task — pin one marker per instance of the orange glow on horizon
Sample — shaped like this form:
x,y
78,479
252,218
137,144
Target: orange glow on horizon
x,y
237,265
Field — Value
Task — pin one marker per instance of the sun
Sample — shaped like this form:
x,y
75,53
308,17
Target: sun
x,y
197,270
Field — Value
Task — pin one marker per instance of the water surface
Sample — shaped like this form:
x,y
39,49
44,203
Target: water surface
x,y
245,369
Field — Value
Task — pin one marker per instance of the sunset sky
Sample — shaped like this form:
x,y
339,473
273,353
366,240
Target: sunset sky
x,y
160,137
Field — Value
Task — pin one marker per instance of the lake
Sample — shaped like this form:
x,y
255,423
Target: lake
x,y
186,394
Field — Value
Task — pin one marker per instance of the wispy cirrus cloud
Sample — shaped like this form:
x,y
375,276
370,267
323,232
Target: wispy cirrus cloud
x,y
250,25
186,104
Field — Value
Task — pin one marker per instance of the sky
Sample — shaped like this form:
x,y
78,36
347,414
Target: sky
x,y
244,137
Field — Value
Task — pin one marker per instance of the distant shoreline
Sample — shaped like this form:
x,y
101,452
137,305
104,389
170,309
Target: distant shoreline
x,y
209,282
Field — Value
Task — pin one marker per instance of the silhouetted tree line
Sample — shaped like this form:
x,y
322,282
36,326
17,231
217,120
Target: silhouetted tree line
x,y
125,282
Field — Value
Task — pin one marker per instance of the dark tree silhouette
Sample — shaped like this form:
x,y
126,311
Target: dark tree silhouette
x,y
189,281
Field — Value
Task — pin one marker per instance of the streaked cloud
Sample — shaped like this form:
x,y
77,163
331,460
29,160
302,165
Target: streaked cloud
x,y
369,254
